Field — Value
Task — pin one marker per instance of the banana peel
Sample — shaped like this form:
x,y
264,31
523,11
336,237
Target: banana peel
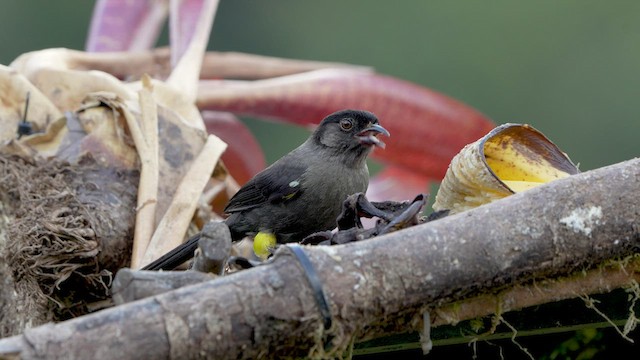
x,y
512,158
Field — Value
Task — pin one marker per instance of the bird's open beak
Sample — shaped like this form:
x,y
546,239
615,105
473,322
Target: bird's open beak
x,y
368,135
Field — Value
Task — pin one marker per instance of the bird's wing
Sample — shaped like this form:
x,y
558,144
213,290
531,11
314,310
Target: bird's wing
x,y
276,184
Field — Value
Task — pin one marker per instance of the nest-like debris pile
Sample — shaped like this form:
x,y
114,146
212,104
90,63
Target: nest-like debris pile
x,y
65,238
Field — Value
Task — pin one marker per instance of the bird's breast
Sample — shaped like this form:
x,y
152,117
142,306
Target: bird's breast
x,y
332,187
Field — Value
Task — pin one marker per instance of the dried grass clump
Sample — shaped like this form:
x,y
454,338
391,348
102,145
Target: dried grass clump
x,y
65,235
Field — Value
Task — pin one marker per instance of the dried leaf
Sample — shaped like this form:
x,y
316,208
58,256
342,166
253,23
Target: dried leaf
x,y
49,71
173,225
15,87
170,98
145,136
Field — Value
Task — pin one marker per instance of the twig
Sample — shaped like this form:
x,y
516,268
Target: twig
x,y
591,304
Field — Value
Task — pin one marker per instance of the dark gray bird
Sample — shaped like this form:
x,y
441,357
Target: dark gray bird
x,y
303,191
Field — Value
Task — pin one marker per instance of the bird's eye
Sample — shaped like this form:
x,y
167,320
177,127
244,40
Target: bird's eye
x,y
346,124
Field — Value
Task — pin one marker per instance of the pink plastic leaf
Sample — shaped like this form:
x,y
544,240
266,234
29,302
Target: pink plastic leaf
x,y
427,128
184,17
397,184
123,25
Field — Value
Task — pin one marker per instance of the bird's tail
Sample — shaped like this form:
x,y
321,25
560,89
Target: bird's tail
x,y
177,256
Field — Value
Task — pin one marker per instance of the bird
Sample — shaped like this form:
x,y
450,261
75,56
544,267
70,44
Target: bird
x,y
302,192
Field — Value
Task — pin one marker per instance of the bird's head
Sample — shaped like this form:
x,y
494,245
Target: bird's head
x,y
352,132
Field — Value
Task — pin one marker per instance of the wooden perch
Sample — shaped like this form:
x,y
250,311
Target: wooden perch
x,y
373,287
214,248
130,285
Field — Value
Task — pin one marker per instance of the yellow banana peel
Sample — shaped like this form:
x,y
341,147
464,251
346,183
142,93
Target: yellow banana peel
x,y
511,158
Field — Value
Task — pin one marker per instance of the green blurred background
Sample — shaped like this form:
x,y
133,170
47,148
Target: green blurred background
x,y
568,68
